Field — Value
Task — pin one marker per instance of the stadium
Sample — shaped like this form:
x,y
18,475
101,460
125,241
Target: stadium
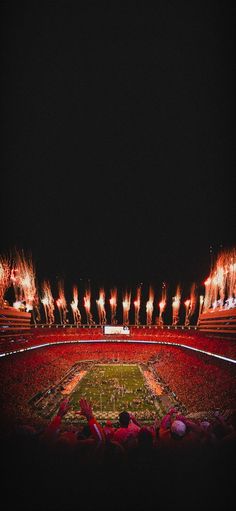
x,y
118,256
148,370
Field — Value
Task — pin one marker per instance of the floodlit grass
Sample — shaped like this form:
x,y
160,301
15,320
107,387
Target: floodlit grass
x,y
113,388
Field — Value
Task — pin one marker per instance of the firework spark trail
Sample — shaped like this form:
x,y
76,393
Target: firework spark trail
x,y
126,308
74,306
23,280
201,302
15,280
28,285
193,299
190,305
137,303
48,302
162,304
87,306
207,299
187,309
36,310
5,277
101,307
61,303
44,301
113,305
176,306
149,307
231,278
219,281
221,278
220,286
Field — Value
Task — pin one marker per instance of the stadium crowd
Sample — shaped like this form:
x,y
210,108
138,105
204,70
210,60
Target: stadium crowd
x,y
199,382
195,339
174,462
179,462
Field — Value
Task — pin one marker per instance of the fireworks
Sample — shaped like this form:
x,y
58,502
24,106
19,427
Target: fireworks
x,y
48,303
101,307
187,307
36,311
87,306
126,308
5,278
220,286
74,306
137,303
149,307
190,305
162,304
44,301
201,302
207,299
193,299
113,305
15,280
61,303
176,306
231,277
220,294
23,280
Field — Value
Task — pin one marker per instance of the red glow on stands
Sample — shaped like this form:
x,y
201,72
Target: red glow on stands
x,y
194,378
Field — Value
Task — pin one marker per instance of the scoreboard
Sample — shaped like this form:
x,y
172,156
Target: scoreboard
x,y
110,329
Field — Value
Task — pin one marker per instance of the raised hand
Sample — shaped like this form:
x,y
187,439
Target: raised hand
x,y
64,407
172,410
85,409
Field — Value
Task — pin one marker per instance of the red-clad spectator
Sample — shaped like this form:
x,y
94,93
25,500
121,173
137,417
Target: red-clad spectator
x,y
126,433
109,430
53,429
95,428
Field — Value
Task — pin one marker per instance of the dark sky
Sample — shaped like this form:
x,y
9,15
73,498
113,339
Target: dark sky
x,y
118,138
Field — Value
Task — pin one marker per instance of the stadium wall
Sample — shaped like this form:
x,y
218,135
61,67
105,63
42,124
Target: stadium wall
x,y
218,322
12,319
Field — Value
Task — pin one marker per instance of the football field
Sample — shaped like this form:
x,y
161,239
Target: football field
x,y
112,388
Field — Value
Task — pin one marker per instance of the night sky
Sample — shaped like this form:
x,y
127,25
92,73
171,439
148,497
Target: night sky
x,y
118,139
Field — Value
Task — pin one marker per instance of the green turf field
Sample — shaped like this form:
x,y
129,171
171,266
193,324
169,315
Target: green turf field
x,y
112,388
